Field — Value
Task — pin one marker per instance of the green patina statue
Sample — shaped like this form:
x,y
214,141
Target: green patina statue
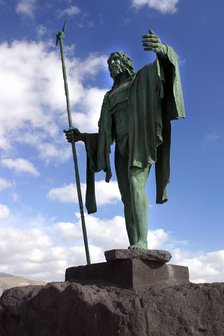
x,y
136,115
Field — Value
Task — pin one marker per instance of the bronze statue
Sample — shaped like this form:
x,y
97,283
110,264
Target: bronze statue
x,y
136,115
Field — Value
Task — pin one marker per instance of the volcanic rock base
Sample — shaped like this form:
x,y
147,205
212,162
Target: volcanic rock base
x,y
129,295
83,309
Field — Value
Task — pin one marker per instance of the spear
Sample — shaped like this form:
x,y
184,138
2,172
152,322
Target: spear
x,y
59,38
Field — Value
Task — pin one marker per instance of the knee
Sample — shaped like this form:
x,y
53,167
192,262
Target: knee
x,y
138,177
137,188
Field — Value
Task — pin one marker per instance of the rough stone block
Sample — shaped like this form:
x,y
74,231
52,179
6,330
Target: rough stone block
x,y
130,273
160,256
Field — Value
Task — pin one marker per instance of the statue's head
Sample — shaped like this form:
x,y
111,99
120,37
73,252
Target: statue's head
x,y
118,63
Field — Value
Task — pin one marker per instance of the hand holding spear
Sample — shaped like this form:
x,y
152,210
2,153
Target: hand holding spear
x,y
59,38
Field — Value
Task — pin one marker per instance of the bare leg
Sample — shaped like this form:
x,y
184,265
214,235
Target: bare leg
x,y
132,183
121,165
138,178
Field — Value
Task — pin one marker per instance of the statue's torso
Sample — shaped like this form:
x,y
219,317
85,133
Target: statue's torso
x,y
118,98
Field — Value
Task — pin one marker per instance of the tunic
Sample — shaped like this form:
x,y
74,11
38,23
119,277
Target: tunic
x,y
118,99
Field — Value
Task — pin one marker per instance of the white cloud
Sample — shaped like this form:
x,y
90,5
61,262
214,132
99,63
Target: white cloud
x,y
107,233
43,252
4,184
27,251
68,231
203,267
70,11
88,121
104,233
92,63
26,7
33,97
4,211
64,194
41,30
48,151
212,137
157,238
87,24
15,196
105,193
20,165
28,76
163,6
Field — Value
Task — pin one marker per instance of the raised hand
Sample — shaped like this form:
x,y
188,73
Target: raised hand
x,y
152,42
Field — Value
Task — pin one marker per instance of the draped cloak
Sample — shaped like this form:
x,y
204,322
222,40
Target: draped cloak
x,y
155,98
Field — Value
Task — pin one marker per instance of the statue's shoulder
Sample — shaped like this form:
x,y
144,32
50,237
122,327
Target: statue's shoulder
x,y
146,70
106,97
147,67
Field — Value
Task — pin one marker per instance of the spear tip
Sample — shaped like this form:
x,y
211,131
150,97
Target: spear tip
x,y
63,29
61,34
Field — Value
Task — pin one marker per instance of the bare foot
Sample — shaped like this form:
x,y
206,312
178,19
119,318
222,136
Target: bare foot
x,y
140,245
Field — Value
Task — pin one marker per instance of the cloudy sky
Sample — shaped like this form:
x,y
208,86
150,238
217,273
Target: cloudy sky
x,y
40,233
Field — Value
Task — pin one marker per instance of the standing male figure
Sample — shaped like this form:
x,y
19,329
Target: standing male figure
x,y
136,115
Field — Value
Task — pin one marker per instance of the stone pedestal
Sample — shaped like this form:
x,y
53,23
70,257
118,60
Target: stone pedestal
x,y
160,256
128,269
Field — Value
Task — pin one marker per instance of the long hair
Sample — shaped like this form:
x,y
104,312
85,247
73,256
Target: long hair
x,y
126,60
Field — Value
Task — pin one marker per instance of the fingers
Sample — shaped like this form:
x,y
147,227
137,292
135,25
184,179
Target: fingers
x,y
74,131
73,135
151,32
151,38
151,45
154,47
68,131
151,42
69,134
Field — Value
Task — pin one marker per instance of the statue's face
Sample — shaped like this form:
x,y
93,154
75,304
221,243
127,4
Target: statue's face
x,y
116,66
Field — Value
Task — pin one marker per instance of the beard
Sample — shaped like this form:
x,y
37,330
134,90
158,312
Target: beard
x,y
117,69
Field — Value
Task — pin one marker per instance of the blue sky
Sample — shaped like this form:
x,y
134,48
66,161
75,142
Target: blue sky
x,y
40,232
